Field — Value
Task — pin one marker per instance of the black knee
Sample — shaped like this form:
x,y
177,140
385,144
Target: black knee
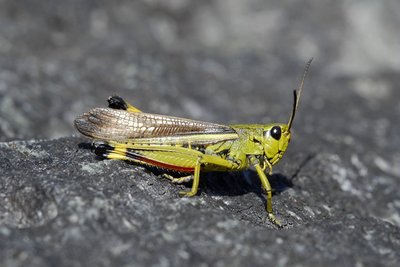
x,y
116,102
103,150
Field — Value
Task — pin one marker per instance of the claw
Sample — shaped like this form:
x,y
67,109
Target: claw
x,y
274,220
186,194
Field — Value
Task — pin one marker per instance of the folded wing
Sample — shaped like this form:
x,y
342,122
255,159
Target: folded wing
x,y
123,126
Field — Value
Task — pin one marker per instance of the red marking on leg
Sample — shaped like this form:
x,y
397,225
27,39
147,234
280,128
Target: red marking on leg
x,y
166,165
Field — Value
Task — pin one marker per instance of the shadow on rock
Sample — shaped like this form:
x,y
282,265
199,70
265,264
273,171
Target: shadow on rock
x,y
240,183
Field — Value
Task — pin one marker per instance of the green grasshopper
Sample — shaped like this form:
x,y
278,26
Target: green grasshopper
x,y
188,146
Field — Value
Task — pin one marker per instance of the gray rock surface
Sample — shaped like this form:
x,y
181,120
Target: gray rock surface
x,y
221,61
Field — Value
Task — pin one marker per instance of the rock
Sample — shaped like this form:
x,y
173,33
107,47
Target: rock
x,y
63,206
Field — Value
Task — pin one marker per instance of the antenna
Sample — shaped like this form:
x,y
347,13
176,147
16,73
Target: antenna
x,y
298,95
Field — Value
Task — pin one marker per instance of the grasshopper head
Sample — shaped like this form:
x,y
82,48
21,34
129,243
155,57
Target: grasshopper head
x,y
276,140
277,136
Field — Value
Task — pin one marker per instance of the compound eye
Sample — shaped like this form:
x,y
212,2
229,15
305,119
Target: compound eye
x,y
276,132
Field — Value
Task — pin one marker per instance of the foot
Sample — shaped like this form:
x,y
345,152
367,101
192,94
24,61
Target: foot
x,y
187,194
274,220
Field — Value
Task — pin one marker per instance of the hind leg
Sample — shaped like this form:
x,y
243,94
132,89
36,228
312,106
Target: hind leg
x,y
178,180
116,102
109,152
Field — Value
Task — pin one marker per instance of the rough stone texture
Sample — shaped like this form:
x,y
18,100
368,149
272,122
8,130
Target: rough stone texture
x,y
221,61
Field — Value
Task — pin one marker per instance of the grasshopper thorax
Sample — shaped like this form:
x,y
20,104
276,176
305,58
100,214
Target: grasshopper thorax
x,y
276,138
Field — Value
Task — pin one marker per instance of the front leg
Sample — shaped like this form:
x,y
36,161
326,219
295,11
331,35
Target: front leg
x,y
267,188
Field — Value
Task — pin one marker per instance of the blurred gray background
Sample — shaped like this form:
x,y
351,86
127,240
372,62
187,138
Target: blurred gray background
x,y
226,61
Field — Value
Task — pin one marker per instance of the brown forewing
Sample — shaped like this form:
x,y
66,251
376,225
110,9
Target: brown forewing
x,y
112,124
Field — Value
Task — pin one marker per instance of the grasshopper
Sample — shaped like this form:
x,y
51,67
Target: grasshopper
x,y
188,146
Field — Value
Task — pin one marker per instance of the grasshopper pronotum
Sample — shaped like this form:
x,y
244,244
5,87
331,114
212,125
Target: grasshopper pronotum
x,y
188,146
